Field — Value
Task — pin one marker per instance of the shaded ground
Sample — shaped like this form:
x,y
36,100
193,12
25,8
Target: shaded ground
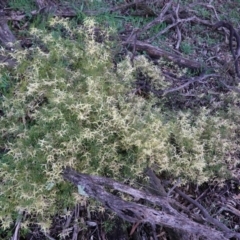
x,y
198,58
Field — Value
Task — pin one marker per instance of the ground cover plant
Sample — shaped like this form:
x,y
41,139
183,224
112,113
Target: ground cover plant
x,y
74,99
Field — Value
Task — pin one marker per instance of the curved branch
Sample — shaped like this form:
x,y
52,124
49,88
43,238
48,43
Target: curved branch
x,y
155,52
233,34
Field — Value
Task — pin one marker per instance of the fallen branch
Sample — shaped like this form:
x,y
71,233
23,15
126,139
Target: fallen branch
x,y
233,34
171,26
6,37
156,52
190,81
235,89
133,212
204,212
161,18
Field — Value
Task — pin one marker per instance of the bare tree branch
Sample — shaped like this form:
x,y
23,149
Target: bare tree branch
x,y
156,52
192,80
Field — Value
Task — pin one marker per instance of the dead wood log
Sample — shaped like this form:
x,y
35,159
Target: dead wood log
x,y
132,212
157,188
156,52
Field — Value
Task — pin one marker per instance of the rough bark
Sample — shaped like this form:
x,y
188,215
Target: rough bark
x,y
156,52
157,188
7,39
134,212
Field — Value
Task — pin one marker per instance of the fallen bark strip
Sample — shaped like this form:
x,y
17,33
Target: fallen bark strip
x,y
6,37
156,52
133,212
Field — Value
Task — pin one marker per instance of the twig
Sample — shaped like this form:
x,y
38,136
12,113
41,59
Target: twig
x,y
205,213
174,186
192,80
133,38
21,217
235,89
207,5
15,235
165,9
179,34
161,18
230,209
69,218
171,26
233,33
76,229
134,227
155,183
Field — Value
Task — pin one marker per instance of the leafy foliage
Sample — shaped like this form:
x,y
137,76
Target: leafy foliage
x,y
72,107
